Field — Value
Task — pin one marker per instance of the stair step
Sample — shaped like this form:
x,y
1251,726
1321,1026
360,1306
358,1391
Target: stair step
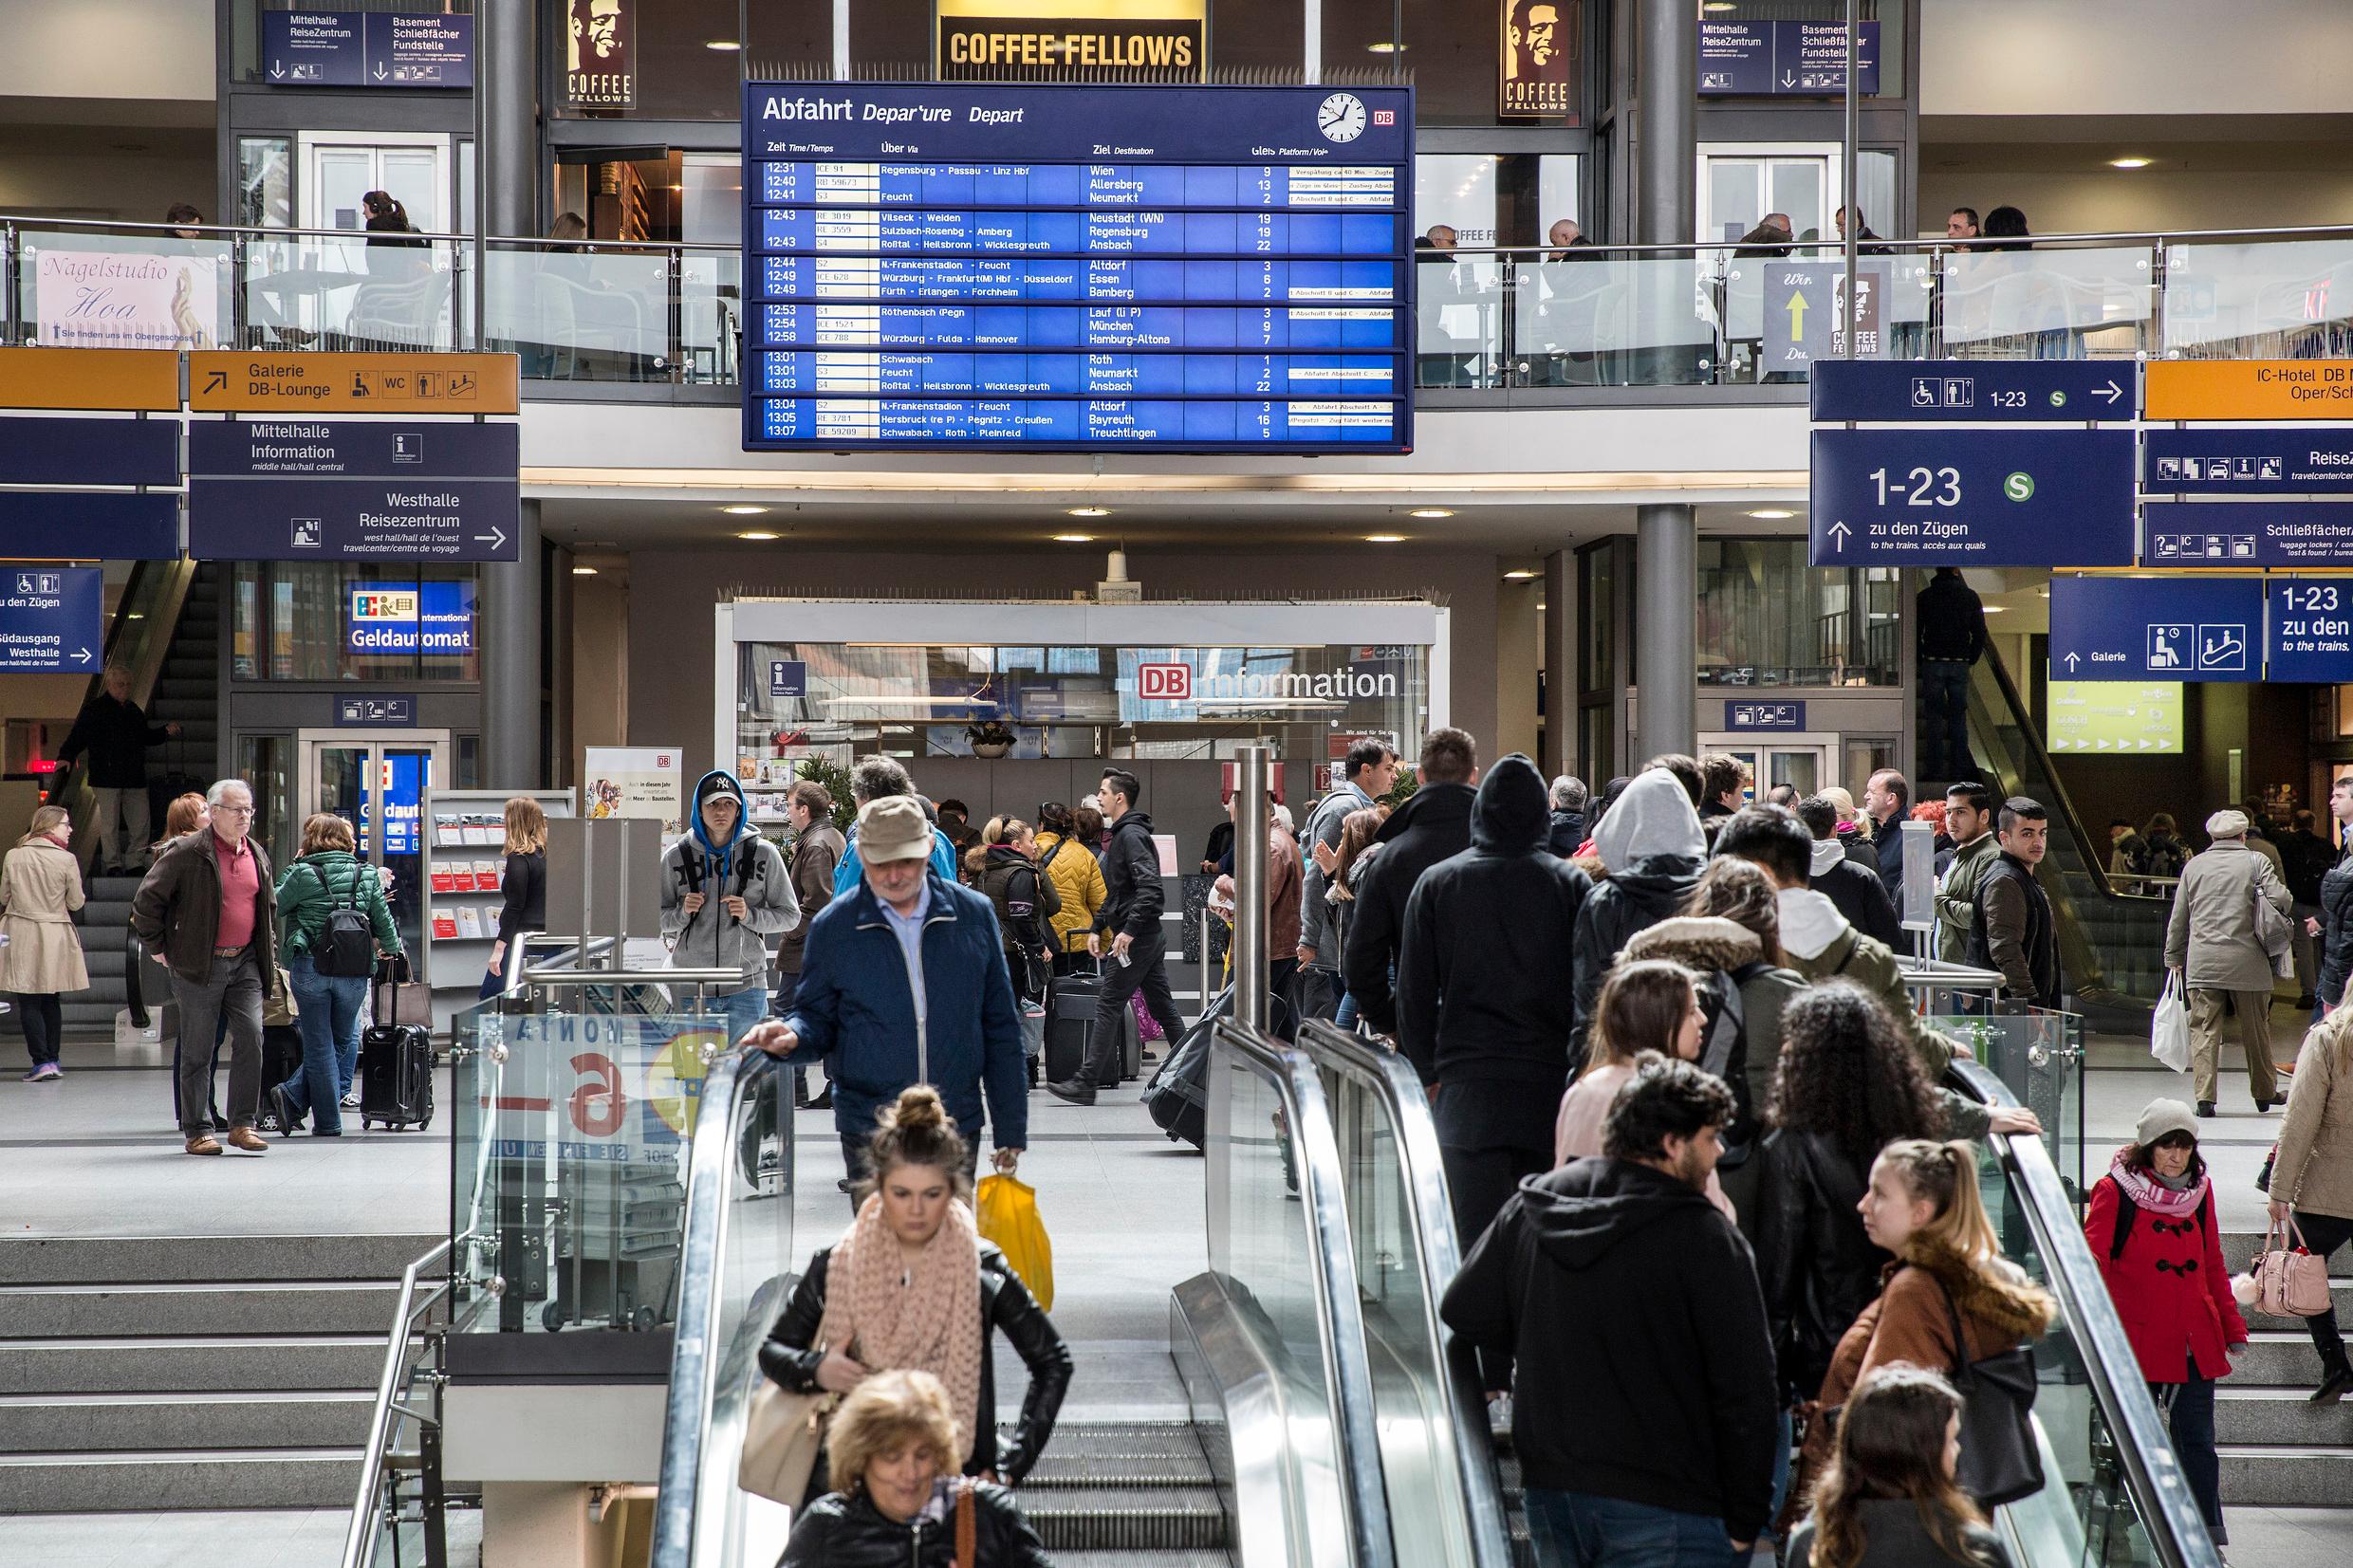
x,y
1202,1557
2281,1416
188,1364
2286,1476
130,1311
98,1422
107,1260
171,1481
2277,1358
1126,1519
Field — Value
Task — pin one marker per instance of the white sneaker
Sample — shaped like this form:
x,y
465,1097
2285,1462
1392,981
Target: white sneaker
x,y
1499,1415
349,1102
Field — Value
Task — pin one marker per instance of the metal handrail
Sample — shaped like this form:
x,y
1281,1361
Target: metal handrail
x,y
2152,1472
1331,1261
359,1537
1432,1215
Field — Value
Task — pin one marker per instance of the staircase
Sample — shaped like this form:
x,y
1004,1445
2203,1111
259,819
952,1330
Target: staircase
x,y
1125,1495
2278,1450
173,1372
187,694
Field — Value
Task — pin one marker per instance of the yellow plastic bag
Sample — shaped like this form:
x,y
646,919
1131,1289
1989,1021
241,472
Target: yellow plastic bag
x,y
1006,1210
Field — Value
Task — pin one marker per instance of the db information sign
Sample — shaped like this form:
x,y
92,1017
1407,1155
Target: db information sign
x,y
1164,682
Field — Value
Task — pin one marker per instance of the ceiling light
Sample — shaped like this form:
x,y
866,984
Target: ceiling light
x,y
759,536
1772,514
583,571
2129,162
745,511
1519,575
1997,609
1720,5
1385,47
1429,512
1074,539
1088,511
1385,539
726,45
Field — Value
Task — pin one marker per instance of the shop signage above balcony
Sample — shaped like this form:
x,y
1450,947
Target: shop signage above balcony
x,y
49,618
349,49
1162,41
1786,59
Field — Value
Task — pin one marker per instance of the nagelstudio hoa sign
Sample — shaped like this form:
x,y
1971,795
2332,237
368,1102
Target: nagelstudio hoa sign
x,y
1072,40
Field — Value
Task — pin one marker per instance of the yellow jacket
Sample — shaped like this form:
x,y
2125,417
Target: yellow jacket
x,y
1078,876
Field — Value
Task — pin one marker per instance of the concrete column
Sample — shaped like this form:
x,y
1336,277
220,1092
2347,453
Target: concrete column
x,y
514,756
508,163
1560,751
1667,131
1666,631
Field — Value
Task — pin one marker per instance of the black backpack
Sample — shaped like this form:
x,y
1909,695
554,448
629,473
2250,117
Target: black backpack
x,y
2127,1210
347,946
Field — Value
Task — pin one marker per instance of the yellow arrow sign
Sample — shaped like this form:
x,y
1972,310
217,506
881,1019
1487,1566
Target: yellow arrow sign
x,y
1797,318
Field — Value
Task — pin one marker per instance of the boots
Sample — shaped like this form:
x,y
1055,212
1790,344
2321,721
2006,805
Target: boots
x,y
2336,1377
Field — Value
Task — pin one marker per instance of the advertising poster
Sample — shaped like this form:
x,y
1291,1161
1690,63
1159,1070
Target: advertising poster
x,y
636,780
100,298
599,41
1072,40
409,617
1536,59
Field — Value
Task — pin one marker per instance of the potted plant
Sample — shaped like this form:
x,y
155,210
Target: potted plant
x,y
990,738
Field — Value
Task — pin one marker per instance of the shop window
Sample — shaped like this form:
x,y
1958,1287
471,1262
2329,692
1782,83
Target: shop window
x,y
266,181
1767,618
306,622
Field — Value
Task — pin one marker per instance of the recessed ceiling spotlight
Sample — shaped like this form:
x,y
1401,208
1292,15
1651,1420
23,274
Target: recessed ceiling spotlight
x,y
1385,47
2129,162
1772,514
1074,539
745,511
727,46
583,571
1385,539
759,536
1520,574
1429,512
1088,511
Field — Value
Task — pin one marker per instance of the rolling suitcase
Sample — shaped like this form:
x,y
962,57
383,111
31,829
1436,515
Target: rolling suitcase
x,y
1069,1012
1177,1097
396,1067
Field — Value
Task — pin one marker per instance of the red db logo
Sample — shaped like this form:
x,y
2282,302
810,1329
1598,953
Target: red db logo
x,y
1164,682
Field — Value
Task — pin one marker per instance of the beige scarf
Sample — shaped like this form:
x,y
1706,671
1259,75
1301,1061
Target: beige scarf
x,y
927,1316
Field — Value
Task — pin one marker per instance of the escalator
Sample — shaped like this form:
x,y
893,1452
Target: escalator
x,y
2111,933
2115,1497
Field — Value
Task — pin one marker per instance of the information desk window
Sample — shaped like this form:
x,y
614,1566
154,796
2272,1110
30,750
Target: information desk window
x,y
845,700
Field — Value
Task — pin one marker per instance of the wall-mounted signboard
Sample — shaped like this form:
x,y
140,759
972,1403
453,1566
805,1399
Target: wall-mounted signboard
x,y
1071,40
1537,63
1899,497
349,49
1785,59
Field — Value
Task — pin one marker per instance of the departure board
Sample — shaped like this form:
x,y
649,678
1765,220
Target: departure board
x,y
1089,268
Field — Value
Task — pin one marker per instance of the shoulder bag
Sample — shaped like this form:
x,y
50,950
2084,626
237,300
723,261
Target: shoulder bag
x,y
2000,1458
783,1432
2290,1283
2275,930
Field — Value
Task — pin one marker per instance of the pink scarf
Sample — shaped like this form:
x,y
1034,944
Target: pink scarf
x,y
2153,1195
928,1316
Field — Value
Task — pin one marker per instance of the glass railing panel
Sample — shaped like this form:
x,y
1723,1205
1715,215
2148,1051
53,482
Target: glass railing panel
x,y
89,288
2038,1054
1603,320
2264,300
580,312
1460,320
351,291
710,315
2068,303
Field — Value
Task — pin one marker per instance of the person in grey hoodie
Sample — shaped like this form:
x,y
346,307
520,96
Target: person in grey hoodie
x,y
724,893
1651,843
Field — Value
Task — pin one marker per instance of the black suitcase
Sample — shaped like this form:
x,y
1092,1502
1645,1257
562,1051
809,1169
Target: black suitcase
x,y
396,1071
1069,1012
1177,1097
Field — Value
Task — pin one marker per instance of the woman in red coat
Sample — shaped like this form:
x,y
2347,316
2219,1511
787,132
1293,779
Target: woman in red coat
x,y
2154,1230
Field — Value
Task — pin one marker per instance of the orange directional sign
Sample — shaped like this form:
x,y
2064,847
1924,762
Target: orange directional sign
x,y
2248,389
145,379
221,381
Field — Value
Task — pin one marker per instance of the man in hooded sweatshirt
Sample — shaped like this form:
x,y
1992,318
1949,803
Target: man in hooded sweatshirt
x,y
1854,887
1647,1434
724,894
1651,843
1425,830
1480,1010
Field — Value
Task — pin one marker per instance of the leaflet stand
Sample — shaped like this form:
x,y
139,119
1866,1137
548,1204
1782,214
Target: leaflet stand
x,y
466,835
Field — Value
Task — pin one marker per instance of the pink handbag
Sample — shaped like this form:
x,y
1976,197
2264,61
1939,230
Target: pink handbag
x,y
2290,1283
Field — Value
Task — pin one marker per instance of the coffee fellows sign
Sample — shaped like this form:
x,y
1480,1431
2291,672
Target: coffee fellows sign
x,y
1538,55
1072,40
599,45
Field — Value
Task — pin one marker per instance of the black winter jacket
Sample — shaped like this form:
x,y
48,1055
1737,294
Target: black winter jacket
x,y
1434,824
1131,868
116,736
1887,855
2306,858
1865,901
846,1530
1478,990
1631,901
1818,1268
1568,831
790,1355
1644,1369
2336,930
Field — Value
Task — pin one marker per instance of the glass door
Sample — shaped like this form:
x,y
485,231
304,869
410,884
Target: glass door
x,y
1805,763
1740,186
376,782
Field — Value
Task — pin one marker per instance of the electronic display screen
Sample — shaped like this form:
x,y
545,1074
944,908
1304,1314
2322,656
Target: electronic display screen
x,y
1172,269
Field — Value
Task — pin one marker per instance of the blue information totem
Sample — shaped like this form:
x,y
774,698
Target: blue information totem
x,y
1972,498
960,265
2142,628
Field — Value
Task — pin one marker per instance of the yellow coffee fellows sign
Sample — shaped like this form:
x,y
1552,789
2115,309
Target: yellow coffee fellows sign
x,y
1073,40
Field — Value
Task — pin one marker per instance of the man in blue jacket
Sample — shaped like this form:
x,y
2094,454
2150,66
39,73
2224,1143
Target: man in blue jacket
x,y
904,982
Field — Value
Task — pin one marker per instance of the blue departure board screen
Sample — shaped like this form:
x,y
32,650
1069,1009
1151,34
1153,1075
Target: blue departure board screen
x,y
955,265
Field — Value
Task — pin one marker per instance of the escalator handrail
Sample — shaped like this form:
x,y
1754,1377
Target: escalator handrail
x,y
1331,1260
696,1352
2062,808
2152,1472
1432,1216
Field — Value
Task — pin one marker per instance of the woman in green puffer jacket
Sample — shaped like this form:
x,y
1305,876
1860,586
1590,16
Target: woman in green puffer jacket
x,y
328,877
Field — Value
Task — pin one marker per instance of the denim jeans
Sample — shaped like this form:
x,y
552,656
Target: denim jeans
x,y
330,1008
743,1009
1580,1530
1344,1019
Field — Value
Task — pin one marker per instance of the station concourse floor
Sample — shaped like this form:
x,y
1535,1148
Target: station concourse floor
x,y
93,1156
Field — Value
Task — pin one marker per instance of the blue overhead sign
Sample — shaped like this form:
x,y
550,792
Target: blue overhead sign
x,y
2311,628
89,452
1785,59
89,524
349,49
426,518
2140,628
1972,498
1778,717
2250,460
1983,392
50,619
2259,533
295,448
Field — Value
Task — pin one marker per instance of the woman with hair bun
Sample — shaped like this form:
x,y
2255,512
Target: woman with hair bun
x,y
912,1285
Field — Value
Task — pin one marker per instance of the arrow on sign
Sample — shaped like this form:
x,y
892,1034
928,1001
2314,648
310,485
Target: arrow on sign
x,y
379,70
2108,394
497,536
277,71
81,656
2072,660
1838,537
1788,79
1797,316
216,381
